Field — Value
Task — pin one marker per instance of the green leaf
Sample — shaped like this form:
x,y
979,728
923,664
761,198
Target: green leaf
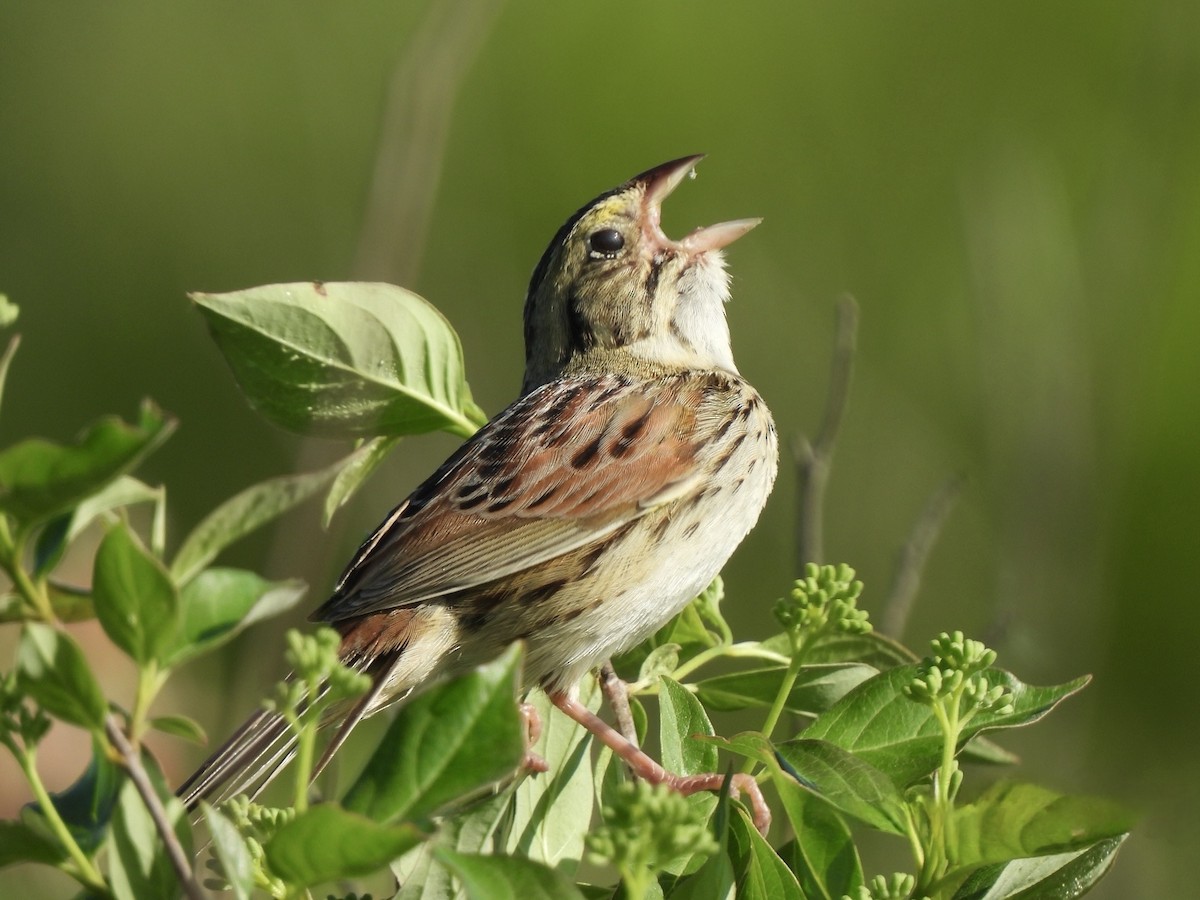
x,y
985,752
218,603
823,857
343,359
244,512
762,875
816,689
551,812
431,754
901,737
87,805
58,534
507,877
181,727
357,469
39,479
1013,819
135,599
1060,876
231,852
139,868
20,843
53,671
681,716
871,648
327,843
848,783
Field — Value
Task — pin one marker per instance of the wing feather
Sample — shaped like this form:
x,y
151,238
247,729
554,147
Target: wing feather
x,y
563,467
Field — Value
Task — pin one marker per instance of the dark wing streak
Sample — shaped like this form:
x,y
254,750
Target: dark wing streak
x,y
433,546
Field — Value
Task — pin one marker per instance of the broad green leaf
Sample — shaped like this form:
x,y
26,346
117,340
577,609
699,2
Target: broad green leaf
x,y
872,648
444,743
139,868
848,783
1059,876
327,843
825,859
218,603
662,660
680,717
715,879
761,874
507,877
58,534
816,689
246,511
985,752
181,727
475,829
344,359
1013,819
357,469
823,856
21,843
231,852
39,479
87,805
135,600
552,811
901,737
52,670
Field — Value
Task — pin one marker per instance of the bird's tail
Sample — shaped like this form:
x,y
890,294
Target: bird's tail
x,y
263,746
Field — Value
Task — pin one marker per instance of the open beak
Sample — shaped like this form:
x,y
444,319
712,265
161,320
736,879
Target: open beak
x,y
660,182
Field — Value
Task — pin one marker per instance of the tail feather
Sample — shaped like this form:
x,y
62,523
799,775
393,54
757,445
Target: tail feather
x,y
242,754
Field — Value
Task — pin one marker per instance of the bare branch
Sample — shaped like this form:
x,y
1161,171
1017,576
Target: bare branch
x,y
910,562
815,460
617,695
132,762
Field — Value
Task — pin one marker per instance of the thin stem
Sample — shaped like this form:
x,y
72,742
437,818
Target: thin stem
x,y
12,551
911,561
781,696
132,761
814,460
147,687
306,739
744,650
616,692
87,873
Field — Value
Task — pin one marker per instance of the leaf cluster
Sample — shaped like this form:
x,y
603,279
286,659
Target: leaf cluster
x,y
857,732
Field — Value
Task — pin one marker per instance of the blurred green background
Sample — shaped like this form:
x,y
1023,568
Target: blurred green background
x,y
1010,189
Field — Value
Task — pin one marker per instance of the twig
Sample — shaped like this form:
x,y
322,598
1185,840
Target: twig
x,y
617,695
910,562
137,774
814,461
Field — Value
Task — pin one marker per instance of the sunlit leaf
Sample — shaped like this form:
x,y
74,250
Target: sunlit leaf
x,y
356,470
139,868
682,717
761,874
444,743
326,842
218,603
52,670
135,600
231,852
182,727
344,359
507,877
817,687
1058,876
39,479
901,737
20,843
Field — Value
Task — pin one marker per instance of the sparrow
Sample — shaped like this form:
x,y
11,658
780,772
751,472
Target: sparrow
x,y
585,515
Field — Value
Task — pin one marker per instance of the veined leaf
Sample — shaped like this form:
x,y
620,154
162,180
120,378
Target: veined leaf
x,y
344,359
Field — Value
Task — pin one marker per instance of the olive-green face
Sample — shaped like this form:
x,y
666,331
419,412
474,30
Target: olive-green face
x,y
611,279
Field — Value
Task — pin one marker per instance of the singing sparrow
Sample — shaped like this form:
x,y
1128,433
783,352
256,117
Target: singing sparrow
x,y
588,512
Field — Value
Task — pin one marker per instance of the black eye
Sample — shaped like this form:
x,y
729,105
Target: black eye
x,y
606,242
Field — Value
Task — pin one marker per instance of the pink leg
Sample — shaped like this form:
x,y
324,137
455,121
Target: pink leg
x,y
647,769
533,731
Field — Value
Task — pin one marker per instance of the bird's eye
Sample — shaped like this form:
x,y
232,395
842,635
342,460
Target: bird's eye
x,y
606,242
